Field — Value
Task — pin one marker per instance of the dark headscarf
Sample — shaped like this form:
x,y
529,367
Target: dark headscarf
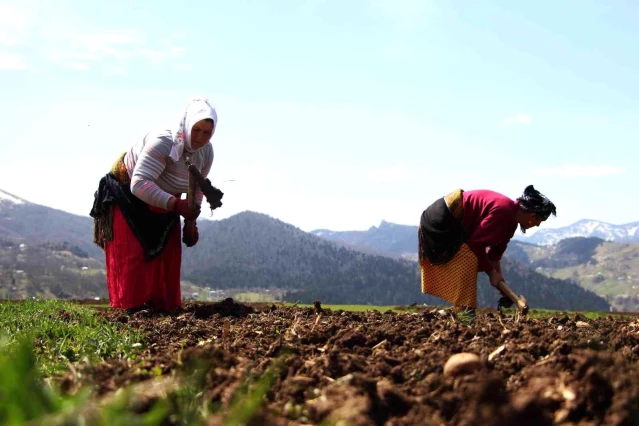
x,y
534,201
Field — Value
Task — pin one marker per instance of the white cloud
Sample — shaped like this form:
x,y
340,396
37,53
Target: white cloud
x,y
158,57
114,70
114,43
154,55
518,119
574,171
113,49
13,24
10,61
78,50
77,44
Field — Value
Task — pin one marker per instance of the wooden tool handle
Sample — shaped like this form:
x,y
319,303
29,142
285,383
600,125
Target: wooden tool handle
x,y
189,225
520,302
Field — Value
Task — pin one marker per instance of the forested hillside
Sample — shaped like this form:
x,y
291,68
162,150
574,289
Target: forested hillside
x,y
609,269
255,250
49,271
248,250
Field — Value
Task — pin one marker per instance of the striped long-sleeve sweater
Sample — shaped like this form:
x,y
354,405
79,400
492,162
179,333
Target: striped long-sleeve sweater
x,y
155,177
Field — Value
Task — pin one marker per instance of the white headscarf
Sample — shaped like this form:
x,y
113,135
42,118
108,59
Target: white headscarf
x,y
197,109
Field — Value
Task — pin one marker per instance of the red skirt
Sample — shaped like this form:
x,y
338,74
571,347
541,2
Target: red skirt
x,y
131,279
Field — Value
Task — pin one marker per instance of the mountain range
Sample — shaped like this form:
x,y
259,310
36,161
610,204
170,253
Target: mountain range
x,y
598,256
22,220
628,233
401,240
388,238
255,251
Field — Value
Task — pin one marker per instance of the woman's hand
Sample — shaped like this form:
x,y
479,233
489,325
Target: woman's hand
x,y
495,277
190,240
181,207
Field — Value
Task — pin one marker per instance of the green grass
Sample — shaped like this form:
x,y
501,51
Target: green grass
x,y
27,399
249,398
41,338
24,397
254,298
63,333
90,272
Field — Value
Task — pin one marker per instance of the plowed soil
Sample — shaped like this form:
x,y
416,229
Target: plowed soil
x,y
387,368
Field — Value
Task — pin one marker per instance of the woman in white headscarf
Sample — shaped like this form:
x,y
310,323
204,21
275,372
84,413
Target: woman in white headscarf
x,y
137,211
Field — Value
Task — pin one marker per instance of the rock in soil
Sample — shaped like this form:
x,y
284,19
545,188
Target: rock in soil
x,y
460,364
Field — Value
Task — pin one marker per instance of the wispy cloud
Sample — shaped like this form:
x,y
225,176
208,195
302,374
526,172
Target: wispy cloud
x,y
114,70
113,47
164,56
14,22
518,119
77,45
11,61
574,171
13,27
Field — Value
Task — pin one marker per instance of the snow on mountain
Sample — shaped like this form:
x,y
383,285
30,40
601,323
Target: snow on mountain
x,y
402,239
628,233
10,198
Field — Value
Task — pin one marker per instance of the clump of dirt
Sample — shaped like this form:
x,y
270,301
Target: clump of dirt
x,y
226,308
369,368
66,316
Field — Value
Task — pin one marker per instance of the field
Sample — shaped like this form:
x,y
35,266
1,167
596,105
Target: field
x,y
266,364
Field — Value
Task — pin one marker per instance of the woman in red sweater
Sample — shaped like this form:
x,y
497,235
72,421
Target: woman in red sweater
x,y
466,232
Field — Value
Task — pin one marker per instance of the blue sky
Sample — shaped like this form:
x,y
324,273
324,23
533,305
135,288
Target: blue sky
x,y
332,114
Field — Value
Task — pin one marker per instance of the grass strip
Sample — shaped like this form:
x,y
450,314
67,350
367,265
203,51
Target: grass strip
x,y
64,333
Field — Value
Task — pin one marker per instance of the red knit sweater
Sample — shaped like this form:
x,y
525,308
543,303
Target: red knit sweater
x,y
489,222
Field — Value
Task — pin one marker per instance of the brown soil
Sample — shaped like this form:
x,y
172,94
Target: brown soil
x,y
387,369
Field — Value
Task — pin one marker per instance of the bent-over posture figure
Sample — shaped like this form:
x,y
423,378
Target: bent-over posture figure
x,y
466,232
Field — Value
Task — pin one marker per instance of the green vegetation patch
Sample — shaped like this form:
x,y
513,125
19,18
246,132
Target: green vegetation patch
x,y
64,333
251,297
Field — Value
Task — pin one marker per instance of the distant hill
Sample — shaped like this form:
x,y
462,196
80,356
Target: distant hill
x,y
20,219
255,250
47,253
569,252
48,271
401,240
388,238
250,250
567,259
609,269
53,271
628,233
